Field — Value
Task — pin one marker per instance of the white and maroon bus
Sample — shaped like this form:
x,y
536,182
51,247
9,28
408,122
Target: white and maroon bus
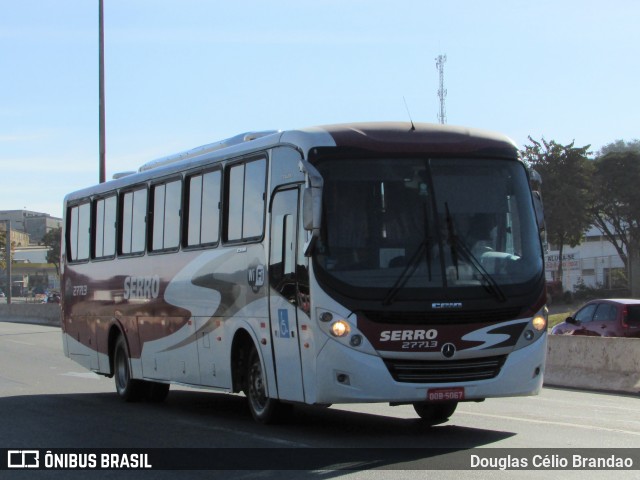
x,y
373,262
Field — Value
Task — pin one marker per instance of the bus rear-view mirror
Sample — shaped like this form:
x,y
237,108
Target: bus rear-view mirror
x,y
311,214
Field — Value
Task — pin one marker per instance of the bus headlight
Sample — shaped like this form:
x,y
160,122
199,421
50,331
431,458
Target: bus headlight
x,y
539,322
535,329
337,326
340,328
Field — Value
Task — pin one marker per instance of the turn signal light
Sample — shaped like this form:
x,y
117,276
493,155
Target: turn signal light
x,y
326,317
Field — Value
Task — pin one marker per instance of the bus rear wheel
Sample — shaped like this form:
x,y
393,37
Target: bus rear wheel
x,y
263,409
435,413
130,390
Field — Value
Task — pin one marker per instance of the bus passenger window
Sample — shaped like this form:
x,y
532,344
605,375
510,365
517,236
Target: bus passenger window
x,y
234,202
195,210
254,185
204,212
210,225
134,207
79,233
105,227
246,200
166,216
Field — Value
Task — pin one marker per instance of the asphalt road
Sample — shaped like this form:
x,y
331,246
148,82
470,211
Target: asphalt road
x,y
49,402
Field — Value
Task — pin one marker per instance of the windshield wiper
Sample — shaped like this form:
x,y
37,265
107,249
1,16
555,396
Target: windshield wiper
x,y
412,264
453,240
456,244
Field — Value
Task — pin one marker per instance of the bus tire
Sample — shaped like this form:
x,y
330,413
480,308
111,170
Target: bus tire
x,y
130,390
156,392
263,409
434,413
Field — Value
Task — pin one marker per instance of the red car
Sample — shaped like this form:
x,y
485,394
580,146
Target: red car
x,y
615,317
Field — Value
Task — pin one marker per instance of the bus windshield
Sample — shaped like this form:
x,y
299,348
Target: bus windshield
x,y
400,226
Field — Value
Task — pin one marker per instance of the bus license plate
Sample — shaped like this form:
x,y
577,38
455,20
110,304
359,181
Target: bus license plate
x,y
454,394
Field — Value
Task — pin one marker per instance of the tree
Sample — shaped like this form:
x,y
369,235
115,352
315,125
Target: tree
x,y
619,146
53,239
616,209
566,190
3,250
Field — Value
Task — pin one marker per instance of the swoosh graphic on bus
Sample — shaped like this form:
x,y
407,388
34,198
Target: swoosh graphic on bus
x,y
199,301
212,286
501,335
181,292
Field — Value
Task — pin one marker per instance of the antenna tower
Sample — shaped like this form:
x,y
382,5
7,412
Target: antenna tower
x,y
442,92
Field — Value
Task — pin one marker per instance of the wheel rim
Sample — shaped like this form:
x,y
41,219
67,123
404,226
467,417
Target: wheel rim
x,y
122,371
257,392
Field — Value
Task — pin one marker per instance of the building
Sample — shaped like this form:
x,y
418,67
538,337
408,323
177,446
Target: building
x,y
30,263
594,263
30,272
18,238
33,224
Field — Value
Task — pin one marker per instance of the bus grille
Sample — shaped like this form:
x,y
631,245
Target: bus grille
x,y
445,371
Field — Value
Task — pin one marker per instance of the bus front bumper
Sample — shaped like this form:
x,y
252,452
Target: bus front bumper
x,y
348,376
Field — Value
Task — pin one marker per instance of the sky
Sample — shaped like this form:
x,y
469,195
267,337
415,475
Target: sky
x,y
184,73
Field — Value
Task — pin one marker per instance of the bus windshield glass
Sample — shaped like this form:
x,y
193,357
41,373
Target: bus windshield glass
x,y
400,226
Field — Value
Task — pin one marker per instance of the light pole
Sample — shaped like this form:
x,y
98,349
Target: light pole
x,y
101,128
7,231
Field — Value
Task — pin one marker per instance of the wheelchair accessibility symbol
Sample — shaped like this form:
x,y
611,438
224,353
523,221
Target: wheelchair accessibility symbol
x,y
283,320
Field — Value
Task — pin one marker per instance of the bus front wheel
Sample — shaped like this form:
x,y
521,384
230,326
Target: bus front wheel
x,y
129,389
263,409
435,413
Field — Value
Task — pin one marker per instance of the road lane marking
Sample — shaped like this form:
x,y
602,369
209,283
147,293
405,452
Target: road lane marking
x,y
548,422
89,375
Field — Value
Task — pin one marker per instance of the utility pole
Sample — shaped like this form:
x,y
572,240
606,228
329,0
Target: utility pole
x,y
442,93
101,128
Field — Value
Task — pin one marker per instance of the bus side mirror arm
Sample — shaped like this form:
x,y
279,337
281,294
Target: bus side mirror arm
x,y
311,204
311,216
539,209
539,212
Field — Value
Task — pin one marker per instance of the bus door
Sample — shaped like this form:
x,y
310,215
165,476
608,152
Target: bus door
x,y
285,335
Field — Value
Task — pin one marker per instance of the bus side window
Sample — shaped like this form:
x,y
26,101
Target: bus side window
x,y
210,224
79,232
235,193
133,222
203,204
245,204
254,199
165,233
105,227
